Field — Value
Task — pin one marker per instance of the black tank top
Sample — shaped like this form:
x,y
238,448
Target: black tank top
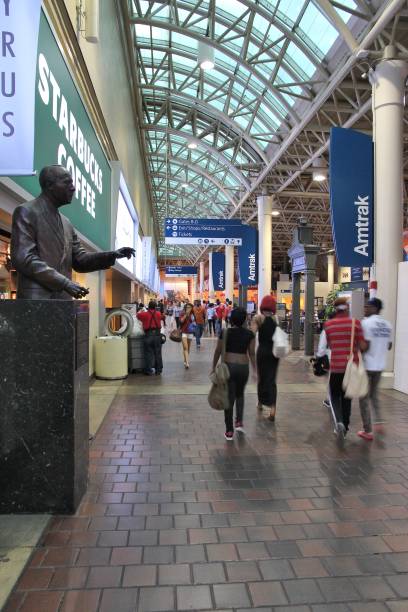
x,y
266,331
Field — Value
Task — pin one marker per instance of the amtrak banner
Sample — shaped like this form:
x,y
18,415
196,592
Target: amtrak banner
x,y
19,24
352,196
218,271
248,256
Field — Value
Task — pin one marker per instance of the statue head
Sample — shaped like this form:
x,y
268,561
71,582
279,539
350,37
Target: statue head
x,y
57,184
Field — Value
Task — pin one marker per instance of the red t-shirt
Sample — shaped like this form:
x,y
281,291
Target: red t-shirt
x,y
338,333
220,311
151,319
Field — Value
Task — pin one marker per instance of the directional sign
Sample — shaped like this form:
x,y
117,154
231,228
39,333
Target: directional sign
x,y
204,232
181,270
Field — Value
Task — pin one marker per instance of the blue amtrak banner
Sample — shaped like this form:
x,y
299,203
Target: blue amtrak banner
x,y
352,196
248,256
218,271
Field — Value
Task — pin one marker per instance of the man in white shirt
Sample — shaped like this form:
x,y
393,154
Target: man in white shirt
x,y
378,333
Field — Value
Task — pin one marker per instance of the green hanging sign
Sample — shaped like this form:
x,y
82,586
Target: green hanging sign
x,y
64,135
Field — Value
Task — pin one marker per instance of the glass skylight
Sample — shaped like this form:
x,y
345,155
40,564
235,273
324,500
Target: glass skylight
x,y
271,60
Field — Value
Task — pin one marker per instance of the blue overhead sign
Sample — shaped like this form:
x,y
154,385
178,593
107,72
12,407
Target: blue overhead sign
x,y
248,256
181,270
352,196
218,271
204,232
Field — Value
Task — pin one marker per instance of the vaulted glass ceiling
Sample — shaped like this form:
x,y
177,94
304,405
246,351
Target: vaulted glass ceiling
x,y
271,59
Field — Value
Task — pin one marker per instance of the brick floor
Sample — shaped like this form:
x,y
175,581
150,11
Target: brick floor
x,y
280,520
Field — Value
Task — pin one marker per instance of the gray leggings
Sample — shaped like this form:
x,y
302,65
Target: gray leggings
x,y
373,382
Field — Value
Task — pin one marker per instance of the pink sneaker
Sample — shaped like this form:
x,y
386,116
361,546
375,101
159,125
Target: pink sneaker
x,y
365,435
229,435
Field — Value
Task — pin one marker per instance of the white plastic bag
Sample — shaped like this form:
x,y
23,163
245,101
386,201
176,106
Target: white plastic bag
x,y
137,328
280,343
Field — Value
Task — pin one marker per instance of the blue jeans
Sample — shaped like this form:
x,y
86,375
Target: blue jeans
x,y
198,333
218,326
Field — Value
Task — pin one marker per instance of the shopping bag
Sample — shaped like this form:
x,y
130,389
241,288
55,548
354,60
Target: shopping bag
x,y
218,397
280,343
355,381
175,335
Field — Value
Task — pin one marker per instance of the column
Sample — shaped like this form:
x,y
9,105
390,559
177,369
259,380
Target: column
x,y
229,272
388,80
201,279
264,246
211,294
330,271
295,312
309,311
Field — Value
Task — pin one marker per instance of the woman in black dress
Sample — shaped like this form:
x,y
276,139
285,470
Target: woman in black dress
x,y
267,364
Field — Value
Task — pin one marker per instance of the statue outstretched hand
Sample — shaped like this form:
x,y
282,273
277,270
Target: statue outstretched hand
x,y
125,252
76,290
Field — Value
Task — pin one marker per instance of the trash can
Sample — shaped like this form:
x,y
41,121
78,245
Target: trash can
x,y
136,361
111,357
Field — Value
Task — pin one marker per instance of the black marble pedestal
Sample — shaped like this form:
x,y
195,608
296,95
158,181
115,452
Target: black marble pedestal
x,y
44,405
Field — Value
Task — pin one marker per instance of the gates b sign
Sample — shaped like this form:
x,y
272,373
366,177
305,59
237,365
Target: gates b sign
x,y
352,196
19,24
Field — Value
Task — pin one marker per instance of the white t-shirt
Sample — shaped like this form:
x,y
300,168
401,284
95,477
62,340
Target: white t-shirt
x,y
210,312
378,332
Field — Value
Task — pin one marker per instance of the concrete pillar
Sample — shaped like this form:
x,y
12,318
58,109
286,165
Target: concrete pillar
x,y
330,271
264,245
201,289
388,83
309,312
229,272
295,312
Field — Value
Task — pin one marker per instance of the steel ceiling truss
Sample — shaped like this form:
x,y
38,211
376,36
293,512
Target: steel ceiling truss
x,y
234,164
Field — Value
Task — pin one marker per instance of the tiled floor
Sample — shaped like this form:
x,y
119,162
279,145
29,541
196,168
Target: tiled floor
x,y
176,518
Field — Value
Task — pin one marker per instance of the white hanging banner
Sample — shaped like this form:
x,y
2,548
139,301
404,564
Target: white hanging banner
x,y
19,26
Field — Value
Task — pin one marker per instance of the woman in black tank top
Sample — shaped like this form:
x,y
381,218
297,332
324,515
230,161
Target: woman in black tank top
x,y
267,363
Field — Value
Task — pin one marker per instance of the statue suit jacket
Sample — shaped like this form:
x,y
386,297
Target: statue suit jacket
x,y
45,248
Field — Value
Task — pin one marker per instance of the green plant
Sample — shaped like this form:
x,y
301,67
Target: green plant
x,y
333,294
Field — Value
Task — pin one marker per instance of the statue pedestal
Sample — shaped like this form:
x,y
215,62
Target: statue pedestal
x,y
44,405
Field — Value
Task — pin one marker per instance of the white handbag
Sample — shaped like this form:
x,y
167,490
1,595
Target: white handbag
x,y
280,343
355,381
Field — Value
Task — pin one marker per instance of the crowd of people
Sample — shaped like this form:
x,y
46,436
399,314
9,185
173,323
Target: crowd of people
x,y
342,338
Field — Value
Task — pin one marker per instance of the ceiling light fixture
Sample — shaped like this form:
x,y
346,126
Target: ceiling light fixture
x,y
205,57
275,213
184,185
319,169
192,144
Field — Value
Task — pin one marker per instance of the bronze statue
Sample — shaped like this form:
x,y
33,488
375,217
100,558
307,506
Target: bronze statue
x,y
45,247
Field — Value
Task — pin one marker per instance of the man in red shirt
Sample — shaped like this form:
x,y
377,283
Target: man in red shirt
x,y
338,332
151,321
220,311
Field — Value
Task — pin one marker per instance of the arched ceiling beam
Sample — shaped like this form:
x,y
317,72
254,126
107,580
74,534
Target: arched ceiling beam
x,y
204,207
197,170
171,27
214,114
229,74
374,29
280,25
203,145
272,17
329,11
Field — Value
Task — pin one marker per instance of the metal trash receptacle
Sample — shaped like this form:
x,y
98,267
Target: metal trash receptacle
x,y
111,357
136,358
